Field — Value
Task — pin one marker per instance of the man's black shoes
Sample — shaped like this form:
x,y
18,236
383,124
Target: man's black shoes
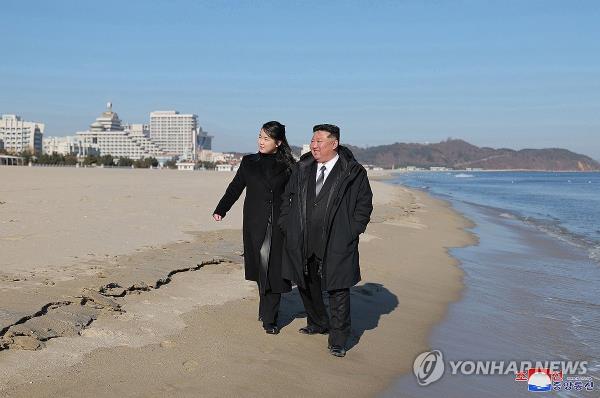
x,y
337,351
312,330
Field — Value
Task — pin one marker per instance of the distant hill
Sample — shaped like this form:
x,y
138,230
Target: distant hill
x,y
460,154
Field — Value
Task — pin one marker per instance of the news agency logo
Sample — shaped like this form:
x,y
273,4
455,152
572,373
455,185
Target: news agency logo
x,y
540,379
545,376
429,367
547,379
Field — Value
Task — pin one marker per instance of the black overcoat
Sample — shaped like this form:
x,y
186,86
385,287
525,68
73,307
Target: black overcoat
x,y
349,207
263,200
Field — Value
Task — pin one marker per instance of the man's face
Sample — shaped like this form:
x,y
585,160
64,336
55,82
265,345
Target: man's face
x,y
323,146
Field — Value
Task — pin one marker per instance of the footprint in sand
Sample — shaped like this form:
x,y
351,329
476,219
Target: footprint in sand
x,y
267,349
190,365
368,237
168,344
168,388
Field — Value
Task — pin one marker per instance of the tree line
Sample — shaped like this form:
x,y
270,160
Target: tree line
x,y
56,159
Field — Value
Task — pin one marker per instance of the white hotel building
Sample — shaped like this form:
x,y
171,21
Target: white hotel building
x,y
175,133
19,136
109,137
69,145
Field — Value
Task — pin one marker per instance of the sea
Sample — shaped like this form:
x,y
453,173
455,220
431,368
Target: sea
x,y
531,287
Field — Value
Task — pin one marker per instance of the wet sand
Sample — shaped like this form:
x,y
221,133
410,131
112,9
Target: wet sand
x,y
160,306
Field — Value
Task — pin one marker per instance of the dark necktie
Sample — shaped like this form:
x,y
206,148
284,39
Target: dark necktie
x,y
320,181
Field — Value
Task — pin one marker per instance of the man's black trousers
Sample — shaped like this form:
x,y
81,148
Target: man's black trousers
x,y
338,322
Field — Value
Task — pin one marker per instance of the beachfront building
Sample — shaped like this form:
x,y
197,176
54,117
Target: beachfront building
x,y
69,145
175,133
210,156
439,168
187,165
305,149
8,160
224,167
19,135
108,136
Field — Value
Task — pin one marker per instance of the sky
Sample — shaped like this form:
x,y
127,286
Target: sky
x,y
516,74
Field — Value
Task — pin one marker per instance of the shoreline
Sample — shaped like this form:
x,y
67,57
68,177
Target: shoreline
x,y
492,170
535,267
409,280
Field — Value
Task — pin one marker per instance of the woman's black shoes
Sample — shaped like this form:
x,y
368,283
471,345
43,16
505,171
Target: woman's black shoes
x,y
312,330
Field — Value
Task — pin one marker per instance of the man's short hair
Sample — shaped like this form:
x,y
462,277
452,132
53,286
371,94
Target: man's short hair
x,y
332,129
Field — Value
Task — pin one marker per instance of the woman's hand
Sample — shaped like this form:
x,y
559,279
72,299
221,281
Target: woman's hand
x,y
217,217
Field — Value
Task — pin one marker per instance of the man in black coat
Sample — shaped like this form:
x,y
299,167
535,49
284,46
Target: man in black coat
x,y
326,205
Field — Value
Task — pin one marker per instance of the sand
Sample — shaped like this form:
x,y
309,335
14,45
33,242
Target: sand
x,y
118,282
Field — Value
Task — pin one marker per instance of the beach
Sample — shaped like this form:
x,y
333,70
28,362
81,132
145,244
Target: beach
x,y
118,281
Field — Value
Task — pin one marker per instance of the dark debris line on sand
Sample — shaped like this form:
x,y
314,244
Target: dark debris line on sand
x,y
70,317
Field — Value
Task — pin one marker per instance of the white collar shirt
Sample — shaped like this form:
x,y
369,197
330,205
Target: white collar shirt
x,y
328,167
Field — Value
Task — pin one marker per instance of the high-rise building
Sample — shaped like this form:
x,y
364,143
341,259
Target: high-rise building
x,y
21,136
108,136
175,133
204,141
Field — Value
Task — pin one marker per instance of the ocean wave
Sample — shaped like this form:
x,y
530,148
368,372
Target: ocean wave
x,y
552,227
594,253
541,218
573,302
508,215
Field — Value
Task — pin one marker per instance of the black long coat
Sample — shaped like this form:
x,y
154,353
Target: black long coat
x,y
263,200
349,207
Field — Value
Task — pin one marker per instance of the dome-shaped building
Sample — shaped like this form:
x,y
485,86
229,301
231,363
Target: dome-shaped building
x,y
108,137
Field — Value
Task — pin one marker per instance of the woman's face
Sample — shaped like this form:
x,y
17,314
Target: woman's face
x,y
266,144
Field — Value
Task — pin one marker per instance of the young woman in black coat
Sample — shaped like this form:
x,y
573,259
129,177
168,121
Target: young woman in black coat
x,y
264,175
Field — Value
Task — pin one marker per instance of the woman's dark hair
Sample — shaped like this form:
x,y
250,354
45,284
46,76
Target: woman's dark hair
x,y
276,130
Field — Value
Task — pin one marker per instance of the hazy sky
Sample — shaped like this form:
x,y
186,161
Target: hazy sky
x,y
496,73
